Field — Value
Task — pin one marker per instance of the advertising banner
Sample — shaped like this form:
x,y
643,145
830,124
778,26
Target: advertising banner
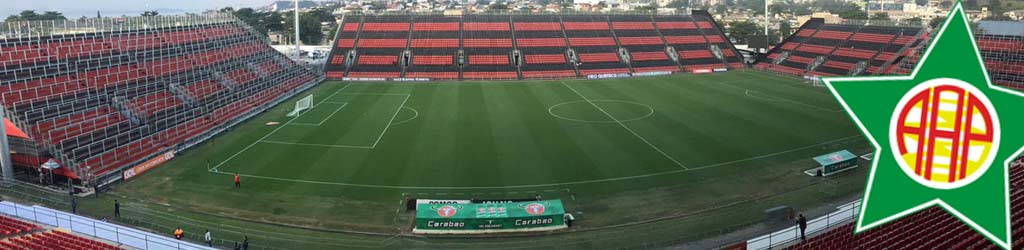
x,y
405,79
147,165
362,79
653,73
476,218
439,202
604,76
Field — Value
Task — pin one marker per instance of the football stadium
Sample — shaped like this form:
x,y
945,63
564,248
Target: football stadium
x,y
456,131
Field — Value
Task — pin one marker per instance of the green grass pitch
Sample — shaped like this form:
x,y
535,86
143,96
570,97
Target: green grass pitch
x,y
617,151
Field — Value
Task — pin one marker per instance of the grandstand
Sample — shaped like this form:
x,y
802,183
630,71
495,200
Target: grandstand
x,y
101,95
644,163
932,228
1003,54
854,48
20,235
507,47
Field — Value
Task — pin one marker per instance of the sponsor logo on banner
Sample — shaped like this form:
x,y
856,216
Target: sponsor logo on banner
x,y
146,166
653,73
604,76
405,79
721,69
363,79
503,201
535,209
447,211
701,71
440,202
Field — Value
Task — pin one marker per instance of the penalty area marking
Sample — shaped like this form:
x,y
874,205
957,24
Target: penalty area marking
x,y
650,111
214,169
549,184
382,133
343,104
415,114
325,100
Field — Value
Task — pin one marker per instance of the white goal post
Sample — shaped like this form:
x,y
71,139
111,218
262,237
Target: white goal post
x,y
302,105
814,81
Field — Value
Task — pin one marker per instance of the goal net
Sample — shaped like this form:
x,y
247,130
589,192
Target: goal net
x,y
814,81
302,105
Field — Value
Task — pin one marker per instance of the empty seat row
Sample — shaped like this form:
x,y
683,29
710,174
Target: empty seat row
x,y
488,42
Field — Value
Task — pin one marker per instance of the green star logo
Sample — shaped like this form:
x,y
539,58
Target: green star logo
x,y
944,135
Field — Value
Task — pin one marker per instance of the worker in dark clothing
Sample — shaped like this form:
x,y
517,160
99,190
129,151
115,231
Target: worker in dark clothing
x,y
74,205
117,209
802,223
245,243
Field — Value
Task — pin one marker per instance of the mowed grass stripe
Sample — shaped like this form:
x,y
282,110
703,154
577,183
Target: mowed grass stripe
x,y
489,139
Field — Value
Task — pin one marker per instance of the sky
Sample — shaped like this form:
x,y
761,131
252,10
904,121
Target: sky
x,y
79,8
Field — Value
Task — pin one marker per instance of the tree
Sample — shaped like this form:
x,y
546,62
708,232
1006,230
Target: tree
x,y
852,12
742,31
721,9
309,28
776,9
262,22
52,15
648,8
880,16
31,15
678,4
498,6
946,4
914,21
785,29
995,7
802,9
756,6
970,4
150,13
935,22
921,2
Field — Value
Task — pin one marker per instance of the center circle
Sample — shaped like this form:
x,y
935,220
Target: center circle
x,y
601,111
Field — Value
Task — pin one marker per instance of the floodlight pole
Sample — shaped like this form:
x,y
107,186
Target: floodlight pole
x,y
298,52
766,38
5,152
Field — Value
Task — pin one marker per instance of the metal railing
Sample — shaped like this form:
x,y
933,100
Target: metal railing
x,y
43,28
94,228
845,214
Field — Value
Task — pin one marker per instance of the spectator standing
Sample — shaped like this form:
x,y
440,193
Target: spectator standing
x,y
802,223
